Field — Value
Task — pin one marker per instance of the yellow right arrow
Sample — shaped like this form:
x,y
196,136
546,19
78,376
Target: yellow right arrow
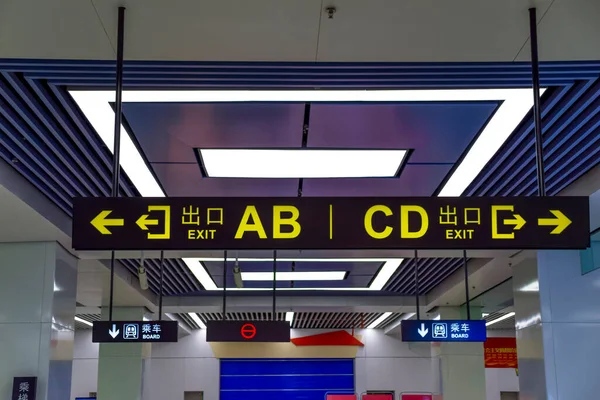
x,y
518,222
143,222
101,221
561,222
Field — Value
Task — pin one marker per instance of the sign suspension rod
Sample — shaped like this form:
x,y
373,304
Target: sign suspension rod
x,y
535,75
160,294
416,262
467,284
274,283
117,140
224,285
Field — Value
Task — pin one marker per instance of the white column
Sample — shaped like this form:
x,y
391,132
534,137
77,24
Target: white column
x,y
120,365
558,325
38,287
462,364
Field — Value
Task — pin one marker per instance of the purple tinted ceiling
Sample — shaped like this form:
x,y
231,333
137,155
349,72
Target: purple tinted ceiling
x,y
415,180
439,132
168,132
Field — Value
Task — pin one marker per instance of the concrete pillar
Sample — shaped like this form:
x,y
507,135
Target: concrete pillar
x,y
120,365
38,287
462,364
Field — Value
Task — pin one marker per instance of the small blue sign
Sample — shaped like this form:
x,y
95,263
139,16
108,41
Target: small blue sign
x,y
443,331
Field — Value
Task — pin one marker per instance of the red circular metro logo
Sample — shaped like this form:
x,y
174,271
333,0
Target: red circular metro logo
x,y
248,331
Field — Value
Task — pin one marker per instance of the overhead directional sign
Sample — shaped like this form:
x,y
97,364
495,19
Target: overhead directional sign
x,y
134,331
247,331
443,331
331,223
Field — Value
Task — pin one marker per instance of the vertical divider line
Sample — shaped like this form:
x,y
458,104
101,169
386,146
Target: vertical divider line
x,y
330,221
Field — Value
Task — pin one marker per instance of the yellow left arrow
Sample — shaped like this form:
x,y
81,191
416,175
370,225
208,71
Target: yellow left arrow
x,y
101,222
143,222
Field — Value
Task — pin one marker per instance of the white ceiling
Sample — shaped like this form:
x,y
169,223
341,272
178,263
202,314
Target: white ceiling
x,y
299,30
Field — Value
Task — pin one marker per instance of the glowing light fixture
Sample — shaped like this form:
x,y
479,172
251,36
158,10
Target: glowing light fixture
x,y
385,273
531,287
289,317
197,320
502,318
379,320
83,321
295,276
301,163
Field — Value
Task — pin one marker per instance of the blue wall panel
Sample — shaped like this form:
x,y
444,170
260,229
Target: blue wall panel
x,y
285,379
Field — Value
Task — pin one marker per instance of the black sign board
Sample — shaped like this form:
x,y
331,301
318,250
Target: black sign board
x,y
24,388
134,331
247,331
331,223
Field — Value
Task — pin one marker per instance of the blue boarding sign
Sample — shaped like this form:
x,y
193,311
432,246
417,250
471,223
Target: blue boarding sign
x,y
443,331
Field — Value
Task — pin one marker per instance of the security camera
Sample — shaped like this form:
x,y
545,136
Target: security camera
x,y
330,11
237,275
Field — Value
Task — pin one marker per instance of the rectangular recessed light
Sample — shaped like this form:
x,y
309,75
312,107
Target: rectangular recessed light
x,y
83,321
197,320
385,273
531,287
301,163
299,260
295,276
379,320
289,316
502,318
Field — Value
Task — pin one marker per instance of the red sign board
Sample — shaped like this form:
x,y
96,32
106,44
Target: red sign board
x,y
341,397
501,352
417,397
379,396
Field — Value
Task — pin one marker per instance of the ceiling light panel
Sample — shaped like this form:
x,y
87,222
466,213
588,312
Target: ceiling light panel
x,y
301,163
295,276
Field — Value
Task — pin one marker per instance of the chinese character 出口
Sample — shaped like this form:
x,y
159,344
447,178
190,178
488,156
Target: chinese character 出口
x,y
472,216
214,216
448,216
191,216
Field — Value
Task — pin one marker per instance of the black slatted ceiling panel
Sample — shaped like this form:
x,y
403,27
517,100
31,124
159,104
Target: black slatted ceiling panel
x,y
432,271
